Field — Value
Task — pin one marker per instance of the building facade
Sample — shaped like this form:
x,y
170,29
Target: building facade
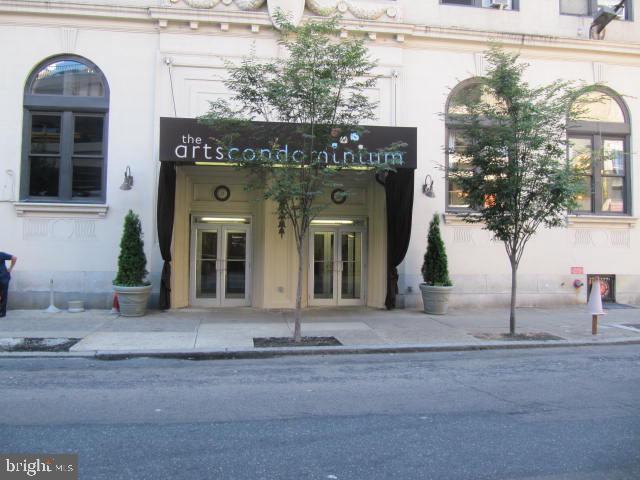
x,y
85,85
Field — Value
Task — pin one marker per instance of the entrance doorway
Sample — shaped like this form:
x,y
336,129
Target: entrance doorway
x,y
337,269
220,262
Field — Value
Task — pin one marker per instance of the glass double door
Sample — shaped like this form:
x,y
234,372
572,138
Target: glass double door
x,y
337,266
220,266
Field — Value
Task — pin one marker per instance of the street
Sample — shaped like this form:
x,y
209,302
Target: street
x,y
565,413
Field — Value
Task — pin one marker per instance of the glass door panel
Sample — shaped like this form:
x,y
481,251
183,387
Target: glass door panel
x,y
206,264
351,265
323,253
220,265
236,265
337,265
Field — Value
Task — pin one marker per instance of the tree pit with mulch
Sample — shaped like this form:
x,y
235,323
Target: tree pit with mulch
x,y
266,342
531,337
37,344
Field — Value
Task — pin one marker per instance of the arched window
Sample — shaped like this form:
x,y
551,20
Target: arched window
x,y
599,144
454,119
66,103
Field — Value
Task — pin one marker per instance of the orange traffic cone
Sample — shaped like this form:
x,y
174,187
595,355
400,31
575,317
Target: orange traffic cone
x,y
115,306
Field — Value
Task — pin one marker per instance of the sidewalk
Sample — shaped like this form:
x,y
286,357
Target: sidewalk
x,y
230,332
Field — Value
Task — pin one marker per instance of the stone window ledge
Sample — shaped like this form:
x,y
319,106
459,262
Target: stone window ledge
x,y
31,209
452,218
575,221
601,221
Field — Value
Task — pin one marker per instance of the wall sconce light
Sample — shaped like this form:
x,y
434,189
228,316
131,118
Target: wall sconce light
x,y
427,188
128,179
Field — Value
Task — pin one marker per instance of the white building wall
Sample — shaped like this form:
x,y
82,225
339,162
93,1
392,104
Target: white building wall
x,y
423,52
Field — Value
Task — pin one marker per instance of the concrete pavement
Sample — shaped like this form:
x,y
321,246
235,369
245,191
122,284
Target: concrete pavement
x,y
231,331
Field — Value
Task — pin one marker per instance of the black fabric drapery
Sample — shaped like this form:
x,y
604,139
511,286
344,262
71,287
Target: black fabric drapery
x,y
165,214
399,191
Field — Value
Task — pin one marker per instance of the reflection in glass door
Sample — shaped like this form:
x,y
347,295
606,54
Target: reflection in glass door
x,y
207,264
337,265
220,266
351,265
323,265
235,265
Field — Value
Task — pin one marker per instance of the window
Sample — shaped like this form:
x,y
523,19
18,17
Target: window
x,y
599,141
590,7
66,103
455,140
497,4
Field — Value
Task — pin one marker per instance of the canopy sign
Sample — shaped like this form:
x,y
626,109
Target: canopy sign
x,y
185,140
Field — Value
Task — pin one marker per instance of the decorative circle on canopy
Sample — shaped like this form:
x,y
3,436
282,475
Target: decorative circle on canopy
x,y
222,193
338,196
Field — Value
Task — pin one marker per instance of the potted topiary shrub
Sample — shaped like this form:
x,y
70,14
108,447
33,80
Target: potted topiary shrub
x,y
130,283
437,286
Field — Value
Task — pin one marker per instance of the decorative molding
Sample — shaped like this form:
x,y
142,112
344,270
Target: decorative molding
x,y
34,228
26,209
463,235
208,4
601,221
58,229
627,52
359,9
582,238
68,39
479,64
599,72
620,238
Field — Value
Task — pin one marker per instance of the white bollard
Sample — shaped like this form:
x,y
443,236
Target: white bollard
x,y
52,308
594,305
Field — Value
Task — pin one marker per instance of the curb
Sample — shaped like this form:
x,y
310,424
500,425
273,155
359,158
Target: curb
x,y
256,353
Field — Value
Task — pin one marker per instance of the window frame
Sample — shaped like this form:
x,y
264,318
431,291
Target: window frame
x,y
598,132
67,107
453,123
592,7
515,5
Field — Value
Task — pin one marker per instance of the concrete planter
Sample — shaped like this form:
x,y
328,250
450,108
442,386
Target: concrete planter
x,y
133,300
435,299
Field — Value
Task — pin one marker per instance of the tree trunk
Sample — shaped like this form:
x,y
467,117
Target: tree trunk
x,y
514,290
297,330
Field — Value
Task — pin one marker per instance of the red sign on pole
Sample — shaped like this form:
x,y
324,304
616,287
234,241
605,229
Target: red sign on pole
x,y
577,270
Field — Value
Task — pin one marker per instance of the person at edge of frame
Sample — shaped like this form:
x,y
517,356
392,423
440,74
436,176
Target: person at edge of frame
x,y
5,278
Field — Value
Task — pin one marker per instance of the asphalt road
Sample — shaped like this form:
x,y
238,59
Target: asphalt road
x,y
525,414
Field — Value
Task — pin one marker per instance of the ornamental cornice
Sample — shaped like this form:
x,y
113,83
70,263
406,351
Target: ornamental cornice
x,y
359,9
165,16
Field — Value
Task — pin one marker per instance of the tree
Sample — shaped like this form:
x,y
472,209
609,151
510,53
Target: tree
x,y
132,262
435,270
513,168
319,87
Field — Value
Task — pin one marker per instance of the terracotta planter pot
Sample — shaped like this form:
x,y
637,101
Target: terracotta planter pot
x,y
133,300
435,299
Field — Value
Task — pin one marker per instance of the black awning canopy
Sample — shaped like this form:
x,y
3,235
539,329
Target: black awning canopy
x,y
187,141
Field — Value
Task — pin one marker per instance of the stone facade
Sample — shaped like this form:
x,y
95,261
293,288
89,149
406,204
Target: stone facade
x,y
167,58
